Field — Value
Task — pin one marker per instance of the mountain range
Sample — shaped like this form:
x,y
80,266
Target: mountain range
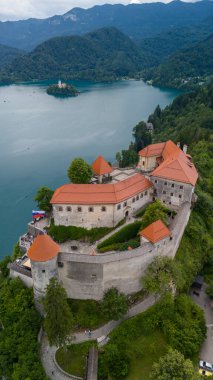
x,y
136,20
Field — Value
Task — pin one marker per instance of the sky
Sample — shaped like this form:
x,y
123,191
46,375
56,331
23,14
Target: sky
x,y
23,9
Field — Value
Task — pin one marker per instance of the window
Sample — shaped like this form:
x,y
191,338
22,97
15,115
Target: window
x,y
164,201
69,208
103,208
94,277
156,181
137,198
60,208
170,203
181,187
43,270
173,185
74,247
118,207
164,192
143,163
172,194
133,200
79,209
60,264
141,196
145,192
180,196
165,183
125,204
91,209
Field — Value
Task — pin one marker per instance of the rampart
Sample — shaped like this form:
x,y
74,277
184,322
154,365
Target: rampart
x,y
87,277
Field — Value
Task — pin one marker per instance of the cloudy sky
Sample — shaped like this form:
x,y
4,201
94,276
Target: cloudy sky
x,y
21,9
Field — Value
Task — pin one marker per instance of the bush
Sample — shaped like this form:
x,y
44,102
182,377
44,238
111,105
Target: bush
x,y
124,235
121,246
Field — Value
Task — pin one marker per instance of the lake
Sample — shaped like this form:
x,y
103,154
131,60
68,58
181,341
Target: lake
x,y
41,134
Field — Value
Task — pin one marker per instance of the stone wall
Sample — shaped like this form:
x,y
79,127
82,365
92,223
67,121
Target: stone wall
x,y
147,164
28,281
87,277
42,272
172,193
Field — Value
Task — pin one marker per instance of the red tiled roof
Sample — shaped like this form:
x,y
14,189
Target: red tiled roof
x,y
43,248
176,166
155,232
152,150
101,193
100,166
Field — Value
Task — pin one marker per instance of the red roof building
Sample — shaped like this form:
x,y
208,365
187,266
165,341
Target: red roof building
x,y
43,249
100,166
155,232
173,164
91,194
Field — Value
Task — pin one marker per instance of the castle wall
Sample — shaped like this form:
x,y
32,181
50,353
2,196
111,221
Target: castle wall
x,y
172,193
147,163
87,277
28,281
106,215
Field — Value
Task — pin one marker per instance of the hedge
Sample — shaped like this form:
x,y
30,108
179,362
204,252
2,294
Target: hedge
x,y
124,235
63,233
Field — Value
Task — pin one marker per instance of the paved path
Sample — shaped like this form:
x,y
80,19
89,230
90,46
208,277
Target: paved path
x,y
204,302
48,353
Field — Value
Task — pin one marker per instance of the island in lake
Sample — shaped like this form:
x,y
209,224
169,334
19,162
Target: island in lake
x,y
62,89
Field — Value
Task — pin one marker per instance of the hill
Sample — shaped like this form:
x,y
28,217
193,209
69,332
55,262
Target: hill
x,y
8,54
186,68
135,20
167,43
106,54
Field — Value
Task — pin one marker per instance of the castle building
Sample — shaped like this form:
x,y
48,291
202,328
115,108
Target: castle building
x,y
100,205
164,172
171,171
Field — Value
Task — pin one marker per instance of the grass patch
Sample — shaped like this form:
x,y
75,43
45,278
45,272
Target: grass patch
x,y
129,232
87,314
145,351
73,360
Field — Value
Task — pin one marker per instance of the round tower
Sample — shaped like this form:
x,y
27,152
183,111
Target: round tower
x,y
43,255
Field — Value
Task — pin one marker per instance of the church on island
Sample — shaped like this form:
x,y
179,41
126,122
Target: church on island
x,y
164,172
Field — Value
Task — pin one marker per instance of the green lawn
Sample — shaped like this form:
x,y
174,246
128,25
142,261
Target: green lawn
x,y
73,360
144,351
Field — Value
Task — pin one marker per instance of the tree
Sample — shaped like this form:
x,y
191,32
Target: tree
x,y
79,171
154,212
209,291
117,362
162,275
58,321
3,266
43,197
173,366
114,304
141,135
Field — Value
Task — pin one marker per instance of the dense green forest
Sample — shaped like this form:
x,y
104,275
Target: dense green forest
x,y
19,328
169,42
106,54
186,68
8,54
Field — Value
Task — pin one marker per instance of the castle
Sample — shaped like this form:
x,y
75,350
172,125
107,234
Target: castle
x,y
164,172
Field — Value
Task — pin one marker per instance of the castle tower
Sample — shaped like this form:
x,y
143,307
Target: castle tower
x,y
101,167
43,255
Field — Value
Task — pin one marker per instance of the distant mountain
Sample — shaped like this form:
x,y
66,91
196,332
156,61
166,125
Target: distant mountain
x,y
135,20
105,54
185,68
167,43
8,54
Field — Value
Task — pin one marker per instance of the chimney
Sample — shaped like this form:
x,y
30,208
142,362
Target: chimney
x,y
185,148
178,144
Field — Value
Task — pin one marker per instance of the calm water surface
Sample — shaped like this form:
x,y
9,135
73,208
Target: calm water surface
x,y
40,135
